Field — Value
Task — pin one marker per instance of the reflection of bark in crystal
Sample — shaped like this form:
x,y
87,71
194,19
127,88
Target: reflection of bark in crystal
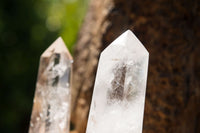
x,y
133,84
116,93
131,92
119,90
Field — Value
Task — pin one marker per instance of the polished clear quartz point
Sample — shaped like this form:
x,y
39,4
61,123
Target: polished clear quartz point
x,y
119,92
51,109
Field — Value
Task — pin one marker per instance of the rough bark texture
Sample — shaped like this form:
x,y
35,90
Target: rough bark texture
x,y
169,29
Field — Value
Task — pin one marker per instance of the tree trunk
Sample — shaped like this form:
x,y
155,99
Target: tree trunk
x,y
169,30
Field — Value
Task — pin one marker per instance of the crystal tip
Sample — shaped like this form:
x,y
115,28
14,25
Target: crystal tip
x,y
58,46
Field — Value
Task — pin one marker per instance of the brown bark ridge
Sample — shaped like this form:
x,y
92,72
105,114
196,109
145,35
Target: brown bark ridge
x,y
169,29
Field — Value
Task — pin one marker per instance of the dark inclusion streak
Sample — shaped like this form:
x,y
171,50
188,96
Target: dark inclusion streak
x,y
47,121
117,90
56,61
55,81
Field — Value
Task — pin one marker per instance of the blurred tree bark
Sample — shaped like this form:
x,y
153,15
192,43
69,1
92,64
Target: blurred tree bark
x,y
169,29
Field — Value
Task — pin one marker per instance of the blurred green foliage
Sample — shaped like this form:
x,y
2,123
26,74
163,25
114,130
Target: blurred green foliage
x,y
66,17
27,28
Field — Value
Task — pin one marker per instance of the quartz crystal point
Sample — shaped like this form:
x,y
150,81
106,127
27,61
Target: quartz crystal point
x,y
51,109
119,92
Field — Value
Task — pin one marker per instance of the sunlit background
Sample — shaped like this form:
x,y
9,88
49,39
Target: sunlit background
x,y
27,28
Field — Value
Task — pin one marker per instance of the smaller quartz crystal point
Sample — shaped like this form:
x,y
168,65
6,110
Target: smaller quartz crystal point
x,y
51,109
119,92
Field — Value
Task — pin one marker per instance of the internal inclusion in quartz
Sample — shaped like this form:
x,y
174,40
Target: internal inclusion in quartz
x,y
51,110
119,91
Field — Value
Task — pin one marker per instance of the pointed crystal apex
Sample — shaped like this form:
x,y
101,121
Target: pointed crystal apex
x,y
58,46
130,37
130,42
119,92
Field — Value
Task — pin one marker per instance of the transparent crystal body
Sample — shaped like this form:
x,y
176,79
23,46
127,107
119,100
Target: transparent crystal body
x,y
51,109
120,86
